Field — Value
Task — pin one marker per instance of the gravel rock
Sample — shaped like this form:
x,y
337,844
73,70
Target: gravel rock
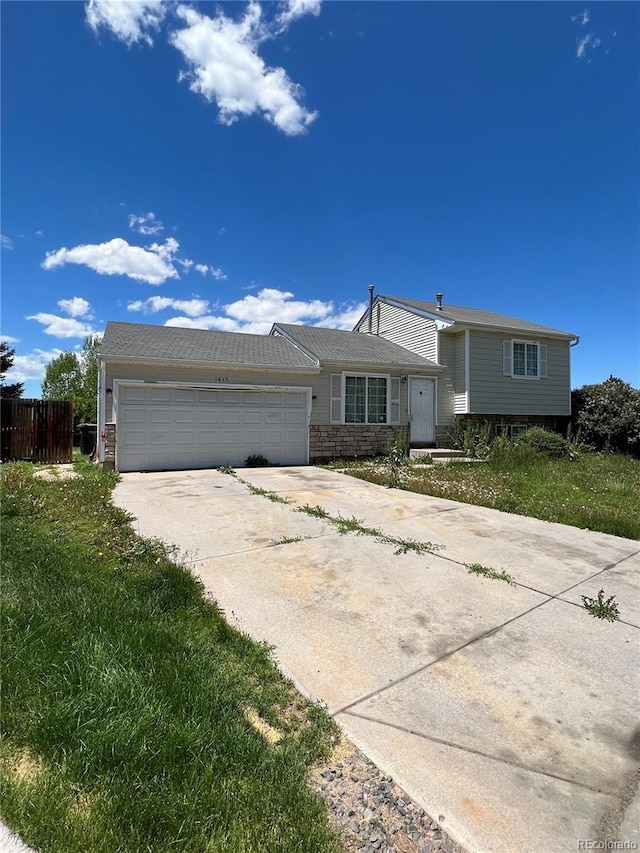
x,y
373,814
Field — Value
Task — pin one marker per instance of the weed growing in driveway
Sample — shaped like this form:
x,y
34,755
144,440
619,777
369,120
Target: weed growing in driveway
x,y
289,540
265,493
227,469
478,569
354,525
314,511
600,607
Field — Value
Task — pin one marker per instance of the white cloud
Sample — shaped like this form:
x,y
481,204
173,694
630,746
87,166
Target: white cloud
x,y
216,272
224,67
191,307
63,327
7,339
585,44
31,366
116,257
146,223
76,307
583,18
294,9
129,20
256,314
39,233
6,242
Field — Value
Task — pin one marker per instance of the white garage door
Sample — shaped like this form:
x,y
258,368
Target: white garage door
x,y
161,428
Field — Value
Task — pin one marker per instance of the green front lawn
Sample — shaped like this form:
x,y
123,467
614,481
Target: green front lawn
x,y
598,491
134,718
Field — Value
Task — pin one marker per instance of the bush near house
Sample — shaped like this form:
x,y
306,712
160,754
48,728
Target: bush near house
x,y
606,416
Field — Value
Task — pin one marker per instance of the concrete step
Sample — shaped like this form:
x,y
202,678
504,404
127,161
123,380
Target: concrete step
x,y
441,455
435,453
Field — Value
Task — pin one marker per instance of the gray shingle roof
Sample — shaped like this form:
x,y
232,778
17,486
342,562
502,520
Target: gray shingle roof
x,y
133,341
336,346
477,316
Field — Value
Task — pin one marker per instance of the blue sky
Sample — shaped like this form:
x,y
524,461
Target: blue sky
x,y
228,165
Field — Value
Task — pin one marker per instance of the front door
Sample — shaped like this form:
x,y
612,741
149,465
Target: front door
x,y
422,411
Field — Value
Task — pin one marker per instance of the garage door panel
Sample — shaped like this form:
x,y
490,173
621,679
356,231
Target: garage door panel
x,y
161,416
209,416
133,437
187,437
188,415
160,395
208,398
168,428
132,415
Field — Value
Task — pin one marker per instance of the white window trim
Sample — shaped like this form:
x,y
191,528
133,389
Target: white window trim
x,y
343,404
539,349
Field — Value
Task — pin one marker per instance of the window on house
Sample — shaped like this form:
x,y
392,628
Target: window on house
x,y
525,359
365,400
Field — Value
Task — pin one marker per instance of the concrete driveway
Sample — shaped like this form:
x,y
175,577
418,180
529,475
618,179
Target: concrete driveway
x,y
508,712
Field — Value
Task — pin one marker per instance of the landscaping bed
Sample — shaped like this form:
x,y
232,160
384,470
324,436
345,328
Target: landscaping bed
x,y
595,491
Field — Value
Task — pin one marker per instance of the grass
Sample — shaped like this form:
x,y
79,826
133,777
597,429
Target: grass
x,y
596,491
129,705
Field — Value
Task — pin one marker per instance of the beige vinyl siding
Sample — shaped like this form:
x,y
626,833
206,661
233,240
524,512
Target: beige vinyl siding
x,y
493,393
446,380
403,328
459,385
320,383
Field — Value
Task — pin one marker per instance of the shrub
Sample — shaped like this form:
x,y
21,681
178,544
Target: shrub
x,y
256,460
547,443
473,438
396,460
607,416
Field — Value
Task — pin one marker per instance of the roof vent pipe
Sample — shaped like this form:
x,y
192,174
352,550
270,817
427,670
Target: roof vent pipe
x,y
370,327
439,298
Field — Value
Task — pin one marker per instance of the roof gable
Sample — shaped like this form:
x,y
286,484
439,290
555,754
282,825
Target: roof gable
x,y
335,346
455,314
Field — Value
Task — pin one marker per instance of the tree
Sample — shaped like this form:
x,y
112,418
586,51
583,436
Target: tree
x,y
607,415
73,376
13,389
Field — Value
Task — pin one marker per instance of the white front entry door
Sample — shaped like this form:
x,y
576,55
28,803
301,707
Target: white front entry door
x,y
422,410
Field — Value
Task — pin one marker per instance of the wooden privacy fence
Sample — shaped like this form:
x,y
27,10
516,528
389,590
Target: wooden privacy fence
x,y
36,431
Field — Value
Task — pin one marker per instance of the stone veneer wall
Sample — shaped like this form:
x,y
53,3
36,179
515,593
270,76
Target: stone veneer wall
x,y
109,447
344,441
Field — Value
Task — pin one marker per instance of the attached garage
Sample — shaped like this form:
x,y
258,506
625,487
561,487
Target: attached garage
x,y
165,428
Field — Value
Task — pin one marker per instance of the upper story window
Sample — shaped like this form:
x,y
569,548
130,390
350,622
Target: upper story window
x,y
524,359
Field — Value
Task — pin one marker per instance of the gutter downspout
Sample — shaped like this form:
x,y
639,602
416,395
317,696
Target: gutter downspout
x,y
575,341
